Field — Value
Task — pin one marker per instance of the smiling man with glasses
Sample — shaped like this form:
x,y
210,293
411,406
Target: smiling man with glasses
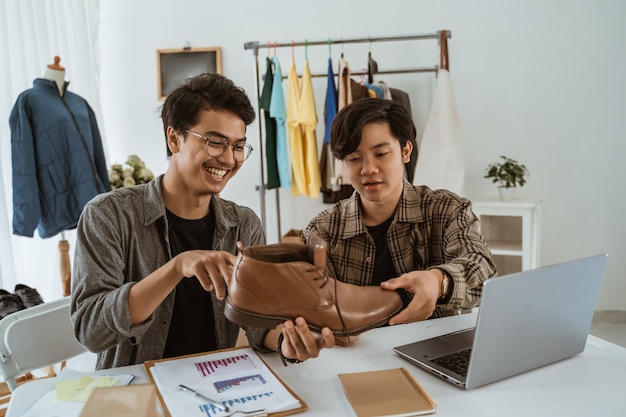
x,y
152,260
216,146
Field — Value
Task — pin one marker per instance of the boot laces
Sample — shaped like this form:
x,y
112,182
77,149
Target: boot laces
x,y
324,276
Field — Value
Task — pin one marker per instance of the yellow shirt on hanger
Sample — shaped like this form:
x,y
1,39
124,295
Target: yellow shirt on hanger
x,y
308,120
294,133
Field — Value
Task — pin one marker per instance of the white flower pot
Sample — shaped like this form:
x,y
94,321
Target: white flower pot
x,y
506,194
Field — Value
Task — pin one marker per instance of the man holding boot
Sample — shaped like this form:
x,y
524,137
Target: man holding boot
x,y
425,244
152,260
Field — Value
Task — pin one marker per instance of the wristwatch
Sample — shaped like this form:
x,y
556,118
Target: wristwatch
x,y
445,285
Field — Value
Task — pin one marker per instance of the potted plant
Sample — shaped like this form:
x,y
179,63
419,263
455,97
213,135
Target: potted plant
x,y
508,174
132,172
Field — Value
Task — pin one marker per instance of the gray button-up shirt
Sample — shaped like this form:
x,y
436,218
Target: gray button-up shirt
x,y
122,237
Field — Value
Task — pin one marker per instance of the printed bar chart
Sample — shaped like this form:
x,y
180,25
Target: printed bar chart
x,y
248,402
245,382
224,366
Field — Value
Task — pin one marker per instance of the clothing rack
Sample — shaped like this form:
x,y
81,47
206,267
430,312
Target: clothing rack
x,y
441,36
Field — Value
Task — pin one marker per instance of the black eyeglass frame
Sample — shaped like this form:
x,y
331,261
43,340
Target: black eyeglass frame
x,y
241,152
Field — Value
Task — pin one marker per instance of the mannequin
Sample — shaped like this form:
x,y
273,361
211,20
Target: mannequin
x,y
56,73
57,158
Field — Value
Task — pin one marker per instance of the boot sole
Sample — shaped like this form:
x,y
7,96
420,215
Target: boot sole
x,y
255,320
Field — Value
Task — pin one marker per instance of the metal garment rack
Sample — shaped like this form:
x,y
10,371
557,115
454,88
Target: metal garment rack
x,y
441,36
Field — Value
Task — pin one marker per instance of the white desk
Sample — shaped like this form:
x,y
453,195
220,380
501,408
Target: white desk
x,y
590,384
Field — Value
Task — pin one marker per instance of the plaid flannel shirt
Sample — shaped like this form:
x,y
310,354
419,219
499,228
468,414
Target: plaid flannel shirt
x,y
430,229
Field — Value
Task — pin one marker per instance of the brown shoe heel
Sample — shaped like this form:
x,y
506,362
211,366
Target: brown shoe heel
x,y
249,319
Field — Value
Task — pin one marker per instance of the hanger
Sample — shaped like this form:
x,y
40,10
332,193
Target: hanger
x,y
372,66
444,63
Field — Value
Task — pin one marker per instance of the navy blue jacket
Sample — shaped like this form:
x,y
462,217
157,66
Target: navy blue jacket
x,y
58,160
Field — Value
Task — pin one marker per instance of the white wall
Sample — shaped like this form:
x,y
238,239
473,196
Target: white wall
x,y
540,81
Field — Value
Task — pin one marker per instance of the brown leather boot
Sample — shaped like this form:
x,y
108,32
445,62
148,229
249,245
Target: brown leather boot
x,y
278,282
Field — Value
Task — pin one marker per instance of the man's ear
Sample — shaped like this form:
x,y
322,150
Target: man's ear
x,y
406,151
172,140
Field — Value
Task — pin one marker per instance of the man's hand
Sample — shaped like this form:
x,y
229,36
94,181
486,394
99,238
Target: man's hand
x,y
301,343
425,287
347,340
212,268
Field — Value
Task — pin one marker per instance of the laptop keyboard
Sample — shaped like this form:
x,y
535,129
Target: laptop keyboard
x,y
457,362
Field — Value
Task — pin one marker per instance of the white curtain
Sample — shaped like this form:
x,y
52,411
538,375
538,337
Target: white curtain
x,y
32,32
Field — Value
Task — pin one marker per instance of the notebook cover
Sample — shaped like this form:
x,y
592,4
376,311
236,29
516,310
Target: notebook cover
x,y
386,393
149,364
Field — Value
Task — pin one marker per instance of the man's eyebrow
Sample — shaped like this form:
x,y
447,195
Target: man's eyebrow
x,y
380,145
221,135
372,148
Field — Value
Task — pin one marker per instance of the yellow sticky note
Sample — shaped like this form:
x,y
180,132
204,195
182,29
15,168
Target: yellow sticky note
x,y
79,390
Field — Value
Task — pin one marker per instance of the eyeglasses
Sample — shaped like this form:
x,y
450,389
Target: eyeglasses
x,y
216,146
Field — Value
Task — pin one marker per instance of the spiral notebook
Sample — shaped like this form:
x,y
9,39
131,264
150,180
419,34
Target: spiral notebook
x,y
386,393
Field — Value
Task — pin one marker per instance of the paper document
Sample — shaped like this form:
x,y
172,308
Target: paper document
x,y
237,379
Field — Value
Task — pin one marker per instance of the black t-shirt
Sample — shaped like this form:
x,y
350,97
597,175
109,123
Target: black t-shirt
x,y
192,329
383,264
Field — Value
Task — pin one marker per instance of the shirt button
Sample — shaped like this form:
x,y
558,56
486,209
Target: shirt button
x,y
369,259
165,322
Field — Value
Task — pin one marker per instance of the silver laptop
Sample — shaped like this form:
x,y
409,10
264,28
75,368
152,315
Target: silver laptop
x,y
526,320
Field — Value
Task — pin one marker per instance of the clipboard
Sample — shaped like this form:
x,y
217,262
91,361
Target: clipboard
x,y
149,364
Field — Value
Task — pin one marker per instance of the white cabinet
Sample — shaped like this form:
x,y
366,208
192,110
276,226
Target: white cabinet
x,y
511,229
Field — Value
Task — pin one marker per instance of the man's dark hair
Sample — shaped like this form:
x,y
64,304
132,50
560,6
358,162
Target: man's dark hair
x,y
347,128
203,92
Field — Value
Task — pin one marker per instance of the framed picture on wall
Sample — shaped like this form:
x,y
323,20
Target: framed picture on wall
x,y
174,66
